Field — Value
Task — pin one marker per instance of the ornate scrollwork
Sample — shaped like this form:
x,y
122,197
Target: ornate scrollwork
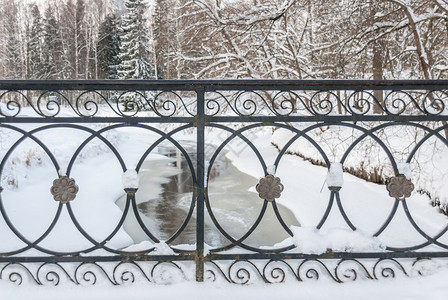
x,y
276,271
238,272
435,102
388,268
312,269
284,103
167,273
361,103
87,103
13,105
52,274
277,102
167,104
350,269
241,272
338,270
49,104
126,273
323,103
401,102
17,273
327,102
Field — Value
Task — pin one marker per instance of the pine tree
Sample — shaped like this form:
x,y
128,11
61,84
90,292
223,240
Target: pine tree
x,y
52,49
135,54
34,45
108,48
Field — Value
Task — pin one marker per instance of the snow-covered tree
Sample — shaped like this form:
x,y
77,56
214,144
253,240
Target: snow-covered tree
x,y
13,54
168,29
296,39
34,46
53,53
108,48
135,52
387,39
72,26
264,39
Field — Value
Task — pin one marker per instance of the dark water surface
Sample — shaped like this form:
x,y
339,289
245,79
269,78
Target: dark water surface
x,y
165,196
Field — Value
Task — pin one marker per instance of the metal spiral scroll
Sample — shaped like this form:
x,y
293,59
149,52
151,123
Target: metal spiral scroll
x,y
87,104
119,273
170,103
326,102
343,270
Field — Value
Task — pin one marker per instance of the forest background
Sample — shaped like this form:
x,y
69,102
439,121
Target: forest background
x,y
196,39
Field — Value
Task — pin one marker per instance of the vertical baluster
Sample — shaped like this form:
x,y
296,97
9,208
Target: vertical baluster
x,y
200,185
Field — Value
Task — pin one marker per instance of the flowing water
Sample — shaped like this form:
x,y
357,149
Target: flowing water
x,y
165,196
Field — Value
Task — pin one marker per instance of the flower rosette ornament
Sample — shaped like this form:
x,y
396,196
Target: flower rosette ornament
x,y
64,189
400,187
269,188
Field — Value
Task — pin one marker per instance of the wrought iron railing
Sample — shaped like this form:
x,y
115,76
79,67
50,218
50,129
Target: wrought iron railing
x,y
302,111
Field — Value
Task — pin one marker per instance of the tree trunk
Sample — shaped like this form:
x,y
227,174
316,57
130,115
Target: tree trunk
x,y
377,69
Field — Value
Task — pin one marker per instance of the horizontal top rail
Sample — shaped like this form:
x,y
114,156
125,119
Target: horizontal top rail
x,y
227,84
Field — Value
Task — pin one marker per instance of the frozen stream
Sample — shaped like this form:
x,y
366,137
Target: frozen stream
x,y
165,195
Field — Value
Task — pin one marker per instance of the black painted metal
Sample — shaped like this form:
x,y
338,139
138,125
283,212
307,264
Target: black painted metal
x,y
219,104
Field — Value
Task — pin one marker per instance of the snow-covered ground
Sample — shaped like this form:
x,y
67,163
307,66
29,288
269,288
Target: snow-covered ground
x,y
29,172
428,166
367,204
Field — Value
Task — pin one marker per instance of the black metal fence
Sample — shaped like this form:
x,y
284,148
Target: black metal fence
x,y
306,110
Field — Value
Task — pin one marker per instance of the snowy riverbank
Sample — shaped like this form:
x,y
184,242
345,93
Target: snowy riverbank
x,y
366,204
